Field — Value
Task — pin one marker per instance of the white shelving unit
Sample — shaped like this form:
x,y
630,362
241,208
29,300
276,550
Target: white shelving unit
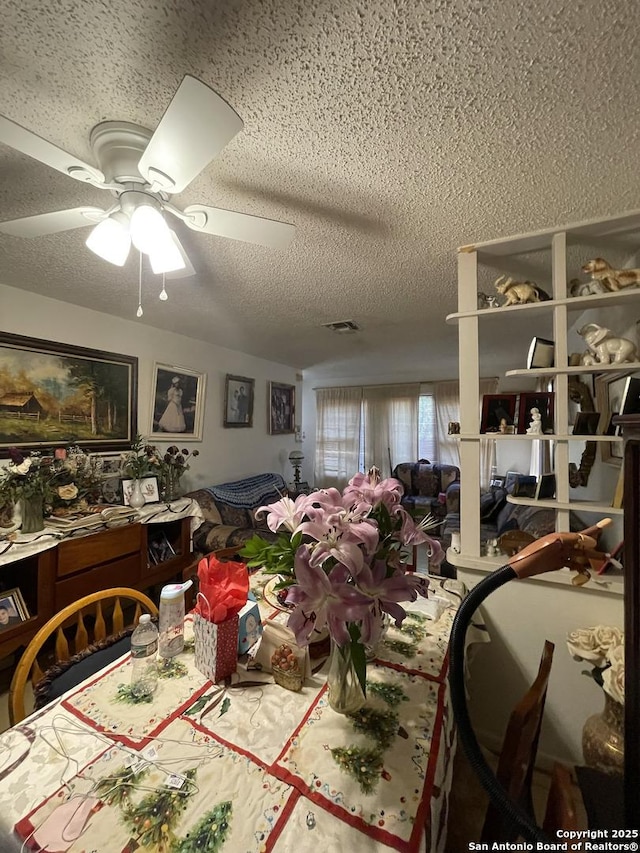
x,y
496,253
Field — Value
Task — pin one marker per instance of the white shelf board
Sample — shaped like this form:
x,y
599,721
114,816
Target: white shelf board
x,y
584,506
609,584
576,303
538,240
498,436
623,369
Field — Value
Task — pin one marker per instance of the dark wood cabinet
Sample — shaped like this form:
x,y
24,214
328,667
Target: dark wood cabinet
x,y
121,556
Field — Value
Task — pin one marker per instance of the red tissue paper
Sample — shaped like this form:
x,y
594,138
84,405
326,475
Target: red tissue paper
x,y
224,589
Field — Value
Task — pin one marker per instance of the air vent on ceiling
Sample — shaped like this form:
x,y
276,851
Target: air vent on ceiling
x,y
342,327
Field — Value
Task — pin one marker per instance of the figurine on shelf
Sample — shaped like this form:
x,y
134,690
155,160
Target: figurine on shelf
x,y
610,278
535,427
605,347
519,292
584,288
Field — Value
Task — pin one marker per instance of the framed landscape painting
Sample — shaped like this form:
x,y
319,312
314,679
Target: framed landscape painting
x,y
177,403
55,394
281,413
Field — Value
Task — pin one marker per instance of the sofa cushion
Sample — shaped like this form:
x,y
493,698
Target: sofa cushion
x,y
207,504
234,515
426,481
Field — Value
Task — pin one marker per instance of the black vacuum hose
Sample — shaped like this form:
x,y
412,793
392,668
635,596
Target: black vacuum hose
x,y
512,812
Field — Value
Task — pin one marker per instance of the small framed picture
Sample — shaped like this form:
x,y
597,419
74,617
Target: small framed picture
x,y
149,486
630,404
13,610
238,401
543,401
546,487
541,353
586,423
281,415
498,411
610,388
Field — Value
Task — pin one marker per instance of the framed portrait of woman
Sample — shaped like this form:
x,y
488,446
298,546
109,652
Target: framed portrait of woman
x,y
177,403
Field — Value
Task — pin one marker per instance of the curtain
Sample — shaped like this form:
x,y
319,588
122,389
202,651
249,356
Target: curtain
x,y
337,436
447,396
390,426
487,448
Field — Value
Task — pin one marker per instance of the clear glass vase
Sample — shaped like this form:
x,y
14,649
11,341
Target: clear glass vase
x,y
603,738
344,693
32,513
172,488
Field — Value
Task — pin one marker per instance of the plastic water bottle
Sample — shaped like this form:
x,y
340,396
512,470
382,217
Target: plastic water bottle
x,y
172,618
144,648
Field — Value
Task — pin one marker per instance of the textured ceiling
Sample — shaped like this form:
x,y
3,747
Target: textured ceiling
x,y
389,133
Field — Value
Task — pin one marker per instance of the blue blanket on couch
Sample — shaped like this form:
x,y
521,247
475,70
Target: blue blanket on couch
x,y
250,492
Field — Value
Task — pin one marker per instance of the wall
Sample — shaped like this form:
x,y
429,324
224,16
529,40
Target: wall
x,y
226,454
520,616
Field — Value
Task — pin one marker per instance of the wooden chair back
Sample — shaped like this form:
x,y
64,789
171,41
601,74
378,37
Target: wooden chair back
x,y
561,812
28,664
518,754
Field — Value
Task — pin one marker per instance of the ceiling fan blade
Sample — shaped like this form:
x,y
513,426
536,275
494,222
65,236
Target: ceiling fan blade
x,y
195,127
239,226
29,143
53,223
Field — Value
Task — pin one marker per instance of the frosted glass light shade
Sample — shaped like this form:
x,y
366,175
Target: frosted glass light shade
x,y
110,240
166,256
148,229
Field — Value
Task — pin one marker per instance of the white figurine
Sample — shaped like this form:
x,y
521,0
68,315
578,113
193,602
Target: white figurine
x,y
605,347
535,427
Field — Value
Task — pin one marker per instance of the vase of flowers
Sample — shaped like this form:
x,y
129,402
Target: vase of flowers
x,y
341,559
26,484
603,733
172,466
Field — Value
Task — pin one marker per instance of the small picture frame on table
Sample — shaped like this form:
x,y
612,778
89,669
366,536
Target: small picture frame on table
x,y
149,486
498,410
13,610
543,401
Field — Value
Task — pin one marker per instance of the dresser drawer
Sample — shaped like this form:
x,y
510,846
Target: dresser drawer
x,y
125,572
75,555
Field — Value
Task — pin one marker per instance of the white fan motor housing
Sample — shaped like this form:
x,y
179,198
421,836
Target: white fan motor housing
x,y
118,147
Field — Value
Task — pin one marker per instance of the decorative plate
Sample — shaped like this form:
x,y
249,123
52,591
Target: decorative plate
x,y
270,595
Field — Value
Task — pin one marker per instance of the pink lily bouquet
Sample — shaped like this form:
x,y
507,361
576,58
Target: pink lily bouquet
x,y
341,557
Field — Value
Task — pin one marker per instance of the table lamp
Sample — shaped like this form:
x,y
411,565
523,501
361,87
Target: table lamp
x,y
296,457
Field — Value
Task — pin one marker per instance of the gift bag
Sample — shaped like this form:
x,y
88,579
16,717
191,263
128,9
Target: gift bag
x,y
216,646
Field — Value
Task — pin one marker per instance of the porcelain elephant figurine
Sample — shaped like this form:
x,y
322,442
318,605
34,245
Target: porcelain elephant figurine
x,y
605,347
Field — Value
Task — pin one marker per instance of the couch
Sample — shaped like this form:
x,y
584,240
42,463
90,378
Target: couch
x,y
428,488
229,511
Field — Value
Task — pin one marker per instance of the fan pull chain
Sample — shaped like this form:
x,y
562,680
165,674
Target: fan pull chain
x,y
163,293
140,312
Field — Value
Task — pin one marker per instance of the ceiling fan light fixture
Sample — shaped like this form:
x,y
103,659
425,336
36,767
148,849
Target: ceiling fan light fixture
x,y
148,229
166,257
110,239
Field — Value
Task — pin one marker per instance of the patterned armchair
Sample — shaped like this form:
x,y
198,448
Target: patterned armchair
x,y
428,488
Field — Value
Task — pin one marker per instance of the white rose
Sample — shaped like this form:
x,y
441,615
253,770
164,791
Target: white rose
x,y
613,676
607,637
68,493
22,468
582,645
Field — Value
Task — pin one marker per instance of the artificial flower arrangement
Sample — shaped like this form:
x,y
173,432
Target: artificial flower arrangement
x,y
70,480
142,460
603,647
340,558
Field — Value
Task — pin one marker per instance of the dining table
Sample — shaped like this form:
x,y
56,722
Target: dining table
x,y
244,765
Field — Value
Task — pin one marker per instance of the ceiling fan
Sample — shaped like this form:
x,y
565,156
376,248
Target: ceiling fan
x,y
143,170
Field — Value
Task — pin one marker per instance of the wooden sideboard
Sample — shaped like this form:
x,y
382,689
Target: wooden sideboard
x,y
120,556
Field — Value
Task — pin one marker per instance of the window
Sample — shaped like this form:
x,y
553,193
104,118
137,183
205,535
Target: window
x,y
427,428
